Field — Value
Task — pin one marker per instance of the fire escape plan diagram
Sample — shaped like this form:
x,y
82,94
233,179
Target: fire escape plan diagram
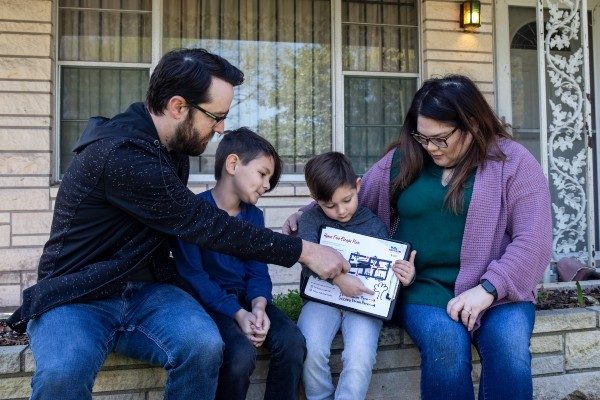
x,y
371,260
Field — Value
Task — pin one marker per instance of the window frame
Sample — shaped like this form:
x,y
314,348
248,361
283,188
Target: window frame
x,y
337,81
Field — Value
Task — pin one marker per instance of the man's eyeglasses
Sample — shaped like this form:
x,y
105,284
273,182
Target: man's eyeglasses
x,y
439,141
210,115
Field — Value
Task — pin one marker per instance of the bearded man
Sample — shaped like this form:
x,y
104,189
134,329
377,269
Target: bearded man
x,y
105,279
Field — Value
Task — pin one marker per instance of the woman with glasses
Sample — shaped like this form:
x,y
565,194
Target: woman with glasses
x,y
476,206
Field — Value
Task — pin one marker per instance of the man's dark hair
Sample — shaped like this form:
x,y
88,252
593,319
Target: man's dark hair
x,y
327,172
247,145
188,73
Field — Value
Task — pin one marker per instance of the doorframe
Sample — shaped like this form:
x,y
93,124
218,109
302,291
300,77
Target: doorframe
x,y
503,75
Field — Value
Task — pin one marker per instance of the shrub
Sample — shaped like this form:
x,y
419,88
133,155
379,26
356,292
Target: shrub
x,y
290,303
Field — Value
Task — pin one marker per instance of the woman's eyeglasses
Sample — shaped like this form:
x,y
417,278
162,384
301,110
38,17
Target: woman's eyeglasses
x,y
439,141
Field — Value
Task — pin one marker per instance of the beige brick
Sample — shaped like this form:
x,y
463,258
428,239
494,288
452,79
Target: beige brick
x,y
159,394
24,120
147,378
10,359
302,190
546,344
283,275
31,223
17,387
458,41
24,199
558,387
19,259
25,103
9,278
24,181
28,360
274,217
28,279
10,295
24,163
4,235
483,72
4,218
283,189
461,56
25,68
36,10
582,350
25,139
548,365
54,191
118,360
26,27
394,385
29,240
568,319
274,202
19,44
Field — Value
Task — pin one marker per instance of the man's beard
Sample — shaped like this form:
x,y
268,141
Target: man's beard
x,y
187,139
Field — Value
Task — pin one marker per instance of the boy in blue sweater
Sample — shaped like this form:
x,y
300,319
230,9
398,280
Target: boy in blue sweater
x,y
237,292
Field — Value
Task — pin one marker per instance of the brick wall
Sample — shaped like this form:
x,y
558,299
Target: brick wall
x,y
25,141
565,347
447,48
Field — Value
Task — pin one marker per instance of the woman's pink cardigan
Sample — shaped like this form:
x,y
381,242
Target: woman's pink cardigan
x,y
508,232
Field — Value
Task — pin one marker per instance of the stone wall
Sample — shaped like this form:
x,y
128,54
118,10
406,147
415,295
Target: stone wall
x,y
565,346
25,141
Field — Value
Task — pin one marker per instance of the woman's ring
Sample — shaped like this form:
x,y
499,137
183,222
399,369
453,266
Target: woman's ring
x,y
469,311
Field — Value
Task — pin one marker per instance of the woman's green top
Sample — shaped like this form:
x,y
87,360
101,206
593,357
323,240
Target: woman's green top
x,y
435,232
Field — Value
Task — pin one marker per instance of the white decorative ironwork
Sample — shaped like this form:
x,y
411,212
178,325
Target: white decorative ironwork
x,y
569,156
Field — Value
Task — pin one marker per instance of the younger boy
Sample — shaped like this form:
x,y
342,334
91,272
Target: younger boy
x,y
236,292
333,183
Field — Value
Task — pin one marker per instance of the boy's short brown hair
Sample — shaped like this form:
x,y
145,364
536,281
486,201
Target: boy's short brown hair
x,y
327,172
247,145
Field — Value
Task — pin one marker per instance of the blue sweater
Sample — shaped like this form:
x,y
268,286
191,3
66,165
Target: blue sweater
x,y
211,273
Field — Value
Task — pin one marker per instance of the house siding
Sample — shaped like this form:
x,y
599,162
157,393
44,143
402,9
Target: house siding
x,y
25,142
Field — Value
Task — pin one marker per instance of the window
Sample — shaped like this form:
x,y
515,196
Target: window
x,y
104,55
284,50
380,66
287,51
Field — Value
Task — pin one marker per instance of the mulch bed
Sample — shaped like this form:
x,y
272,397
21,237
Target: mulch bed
x,y
547,299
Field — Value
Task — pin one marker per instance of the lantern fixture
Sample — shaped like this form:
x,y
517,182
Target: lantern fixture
x,y
470,16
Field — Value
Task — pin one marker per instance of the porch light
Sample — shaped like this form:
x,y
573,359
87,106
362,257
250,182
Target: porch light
x,y
469,14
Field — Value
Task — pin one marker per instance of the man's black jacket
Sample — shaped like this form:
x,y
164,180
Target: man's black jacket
x,y
118,200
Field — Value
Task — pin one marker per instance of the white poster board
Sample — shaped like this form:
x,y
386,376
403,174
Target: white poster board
x,y
371,260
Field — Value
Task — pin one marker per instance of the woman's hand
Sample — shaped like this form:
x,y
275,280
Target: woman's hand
x,y
468,305
290,225
405,270
351,286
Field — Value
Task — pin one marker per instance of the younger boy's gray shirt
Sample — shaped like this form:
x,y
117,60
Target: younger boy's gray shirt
x,y
363,221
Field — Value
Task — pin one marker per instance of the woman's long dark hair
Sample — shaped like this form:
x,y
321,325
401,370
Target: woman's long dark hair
x,y
456,101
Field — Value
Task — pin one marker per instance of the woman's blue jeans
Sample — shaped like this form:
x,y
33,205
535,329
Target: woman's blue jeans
x,y
502,341
157,323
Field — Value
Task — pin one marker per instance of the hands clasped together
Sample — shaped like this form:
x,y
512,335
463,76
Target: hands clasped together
x,y
254,324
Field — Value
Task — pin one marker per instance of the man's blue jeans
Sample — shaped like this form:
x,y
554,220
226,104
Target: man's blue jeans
x,y
154,322
502,341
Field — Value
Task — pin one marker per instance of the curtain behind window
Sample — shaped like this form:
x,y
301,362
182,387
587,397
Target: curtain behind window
x,y
283,48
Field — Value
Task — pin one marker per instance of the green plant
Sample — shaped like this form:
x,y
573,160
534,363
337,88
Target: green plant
x,y
579,291
290,303
542,295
